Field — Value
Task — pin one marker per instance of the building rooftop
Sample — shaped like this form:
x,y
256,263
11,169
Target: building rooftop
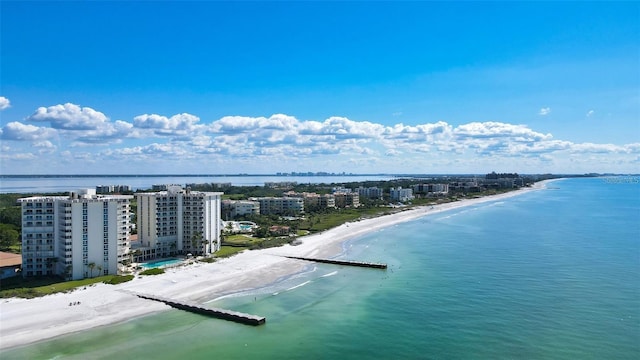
x,y
10,259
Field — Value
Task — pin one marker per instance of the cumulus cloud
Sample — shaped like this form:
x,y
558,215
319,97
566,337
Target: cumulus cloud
x,y
4,103
598,148
491,129
239,124
154,151
419,133
544,111
177,125
21,132
279,138
69,117
83,125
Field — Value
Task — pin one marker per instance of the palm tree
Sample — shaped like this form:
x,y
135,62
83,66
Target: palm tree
x,y
91,266
196,241
173,247
67,271
99,267
136,253
51,263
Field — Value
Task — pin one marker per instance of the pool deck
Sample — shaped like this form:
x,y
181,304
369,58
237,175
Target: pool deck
x,y
161,263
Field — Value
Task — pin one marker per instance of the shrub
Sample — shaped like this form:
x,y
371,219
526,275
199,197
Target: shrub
x,y
118,279
154,271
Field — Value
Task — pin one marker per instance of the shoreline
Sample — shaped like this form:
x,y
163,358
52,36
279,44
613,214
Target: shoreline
x,y
27,321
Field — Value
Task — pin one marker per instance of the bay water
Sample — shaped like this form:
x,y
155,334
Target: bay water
x,y
550,274
33,184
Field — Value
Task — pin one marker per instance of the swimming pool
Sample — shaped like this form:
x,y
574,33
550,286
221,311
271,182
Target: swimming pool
x,y
159,263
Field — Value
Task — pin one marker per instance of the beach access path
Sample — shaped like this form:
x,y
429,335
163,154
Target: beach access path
x,y
24,321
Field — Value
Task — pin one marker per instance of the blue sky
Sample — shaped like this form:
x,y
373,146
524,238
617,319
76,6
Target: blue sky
x,y
362,87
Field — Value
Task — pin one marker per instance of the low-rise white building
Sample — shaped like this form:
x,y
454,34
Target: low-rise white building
x,y
400,194
280,205
431,189
234,208
314,201
347,199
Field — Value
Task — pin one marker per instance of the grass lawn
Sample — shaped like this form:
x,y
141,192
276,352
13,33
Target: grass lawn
x,y
226,251
30,288
240,240
327,221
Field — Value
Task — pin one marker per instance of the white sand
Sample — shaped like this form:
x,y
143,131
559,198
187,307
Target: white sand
x,y
24,321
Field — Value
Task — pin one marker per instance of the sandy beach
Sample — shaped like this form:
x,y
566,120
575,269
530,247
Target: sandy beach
x,y
24,321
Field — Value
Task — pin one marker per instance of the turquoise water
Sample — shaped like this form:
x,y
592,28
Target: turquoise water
x,y
160,263
552,274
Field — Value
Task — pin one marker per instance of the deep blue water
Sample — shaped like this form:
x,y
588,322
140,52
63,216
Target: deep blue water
x,y
551,274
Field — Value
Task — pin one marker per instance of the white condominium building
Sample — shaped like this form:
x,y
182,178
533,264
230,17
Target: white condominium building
x,y
347,199
178,221
76,236
370,192
233,208
400,194
431,189
281,205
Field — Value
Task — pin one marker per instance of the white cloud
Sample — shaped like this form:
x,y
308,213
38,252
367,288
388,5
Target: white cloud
x,y
237,124
590,112
19,156
283,140
4,103
83,125
544,111
21,132
597,148
492,130
69,117
177,125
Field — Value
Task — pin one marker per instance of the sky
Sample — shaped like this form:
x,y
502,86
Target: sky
x,y
160,87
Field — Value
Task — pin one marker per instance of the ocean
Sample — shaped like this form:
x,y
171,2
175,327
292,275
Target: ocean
x,y
550,274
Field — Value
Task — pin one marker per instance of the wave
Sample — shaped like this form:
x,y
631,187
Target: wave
x,y
299,285
330,274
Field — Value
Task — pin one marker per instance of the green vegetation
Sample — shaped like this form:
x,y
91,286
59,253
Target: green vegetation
x,y
271,242
41,286
9,238
239,240
118,279
227,251
154,271
208,260
10,223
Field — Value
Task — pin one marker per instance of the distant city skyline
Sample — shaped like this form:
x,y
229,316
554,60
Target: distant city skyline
x,y
356,87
